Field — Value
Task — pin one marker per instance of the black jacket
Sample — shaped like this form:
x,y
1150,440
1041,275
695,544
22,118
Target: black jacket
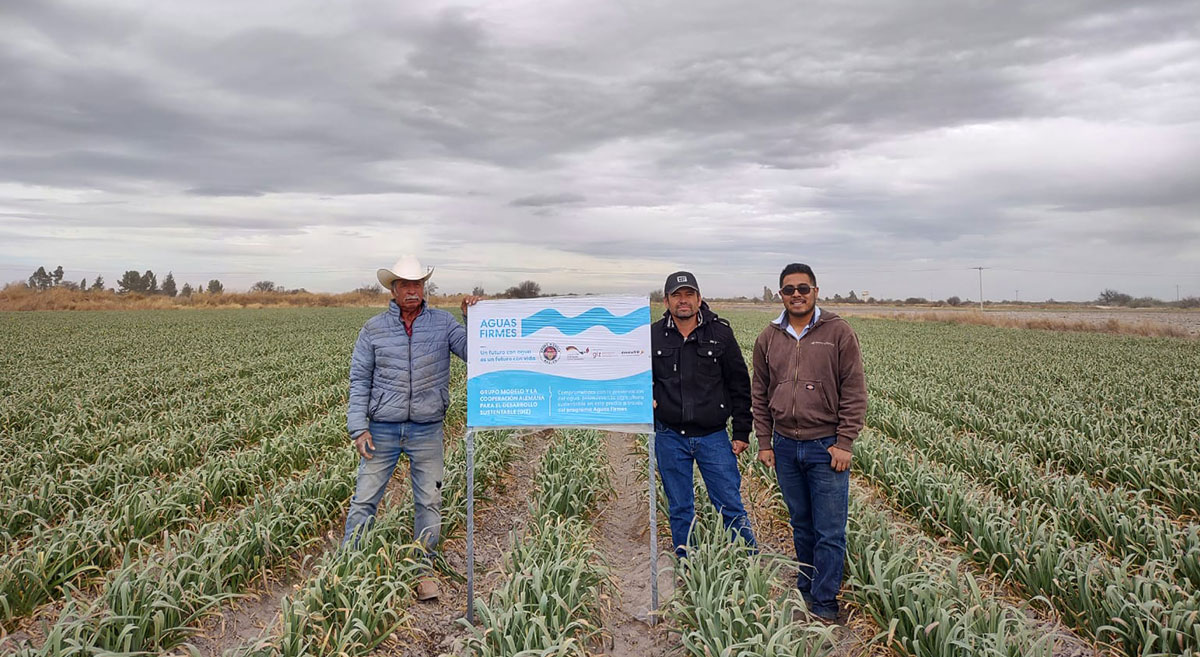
x,y
700,382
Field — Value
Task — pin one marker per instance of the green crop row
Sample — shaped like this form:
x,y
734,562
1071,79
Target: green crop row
x,y
1108,389
1117,410
1167,482
87,544
727,600
219,409
549,602
71,375
922,602
53,495
86,428
1120,522
915,593
357,596
1141,610
153,603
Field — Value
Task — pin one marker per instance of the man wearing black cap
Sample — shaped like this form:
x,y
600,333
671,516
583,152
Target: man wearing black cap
x,y
700,380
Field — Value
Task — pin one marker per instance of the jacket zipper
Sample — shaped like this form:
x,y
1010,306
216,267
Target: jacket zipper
x,y
682,402
796,373
410,350
795,380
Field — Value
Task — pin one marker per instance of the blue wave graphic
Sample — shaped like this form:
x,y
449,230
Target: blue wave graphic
x,y
551,318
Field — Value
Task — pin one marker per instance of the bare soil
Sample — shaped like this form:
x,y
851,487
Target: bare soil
x,y
438,627
252,617
31,631
624,539
255,615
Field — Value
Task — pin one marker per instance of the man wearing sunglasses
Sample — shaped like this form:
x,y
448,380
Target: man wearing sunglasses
x,y
810,400
700,380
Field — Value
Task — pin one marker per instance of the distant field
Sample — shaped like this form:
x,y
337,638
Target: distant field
x,y
1016,492
1121,320
1162,322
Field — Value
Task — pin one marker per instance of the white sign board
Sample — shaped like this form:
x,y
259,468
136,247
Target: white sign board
x,y
560,361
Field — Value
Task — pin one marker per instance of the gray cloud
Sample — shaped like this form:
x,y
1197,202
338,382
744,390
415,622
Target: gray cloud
x,y
543,200
881,136
224,191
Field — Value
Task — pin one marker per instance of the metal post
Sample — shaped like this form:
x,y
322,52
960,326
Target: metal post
x,y
651,467
470,526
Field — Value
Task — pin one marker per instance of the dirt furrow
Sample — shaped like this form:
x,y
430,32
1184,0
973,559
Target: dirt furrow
x,y
435,628
623,528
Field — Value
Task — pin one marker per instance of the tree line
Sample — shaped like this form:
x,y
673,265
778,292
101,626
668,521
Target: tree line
x,y
1110,297
131,282
147,283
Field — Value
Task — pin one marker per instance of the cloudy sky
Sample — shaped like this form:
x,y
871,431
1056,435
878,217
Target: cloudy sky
x,y
597,146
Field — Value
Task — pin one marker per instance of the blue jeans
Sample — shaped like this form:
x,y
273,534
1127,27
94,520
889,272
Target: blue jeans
x,y
422,442
718,466
818,499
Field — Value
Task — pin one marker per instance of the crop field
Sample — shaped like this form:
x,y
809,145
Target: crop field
x,y
174,482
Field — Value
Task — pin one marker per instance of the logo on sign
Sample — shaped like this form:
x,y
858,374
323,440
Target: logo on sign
x,y
575,353
550,353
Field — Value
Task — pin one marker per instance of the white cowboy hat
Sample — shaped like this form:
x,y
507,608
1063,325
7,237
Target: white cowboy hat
x,y
408,268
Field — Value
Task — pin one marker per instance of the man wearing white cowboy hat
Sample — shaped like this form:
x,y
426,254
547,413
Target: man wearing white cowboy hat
x,y
399,391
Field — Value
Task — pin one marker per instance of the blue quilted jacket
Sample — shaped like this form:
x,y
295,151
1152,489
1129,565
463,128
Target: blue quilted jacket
x,y
395,378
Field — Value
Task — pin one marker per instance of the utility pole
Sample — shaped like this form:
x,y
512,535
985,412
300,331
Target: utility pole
x,y
1177,293
980,286
1018,296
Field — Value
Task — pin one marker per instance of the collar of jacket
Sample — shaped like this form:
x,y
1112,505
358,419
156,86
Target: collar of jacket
x,y
825,315
705,315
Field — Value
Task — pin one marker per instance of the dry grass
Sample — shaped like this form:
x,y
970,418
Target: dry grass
x,y
1110,325
20,297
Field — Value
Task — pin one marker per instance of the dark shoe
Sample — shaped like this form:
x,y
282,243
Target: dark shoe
x,y
826,618
808,615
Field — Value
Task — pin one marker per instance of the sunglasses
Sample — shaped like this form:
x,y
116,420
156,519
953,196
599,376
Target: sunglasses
x,y
789,290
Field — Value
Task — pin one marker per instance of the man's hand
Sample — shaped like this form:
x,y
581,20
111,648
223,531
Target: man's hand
x,y
739,447
468,301
839,459
767,457
364,445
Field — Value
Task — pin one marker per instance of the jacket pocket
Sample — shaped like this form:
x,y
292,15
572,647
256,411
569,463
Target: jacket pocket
x,y
666,384
812,405
376,401
665,363
708,359
779,401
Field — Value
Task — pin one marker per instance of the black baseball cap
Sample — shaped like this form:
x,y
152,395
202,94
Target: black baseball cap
x,y
680,279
